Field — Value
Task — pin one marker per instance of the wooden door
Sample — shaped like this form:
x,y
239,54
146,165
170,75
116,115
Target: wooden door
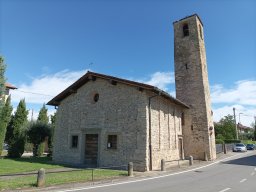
x,y
180,148
91,150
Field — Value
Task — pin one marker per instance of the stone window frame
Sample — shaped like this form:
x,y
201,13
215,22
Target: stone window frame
x,y
72,141
96,97
110,145
185,30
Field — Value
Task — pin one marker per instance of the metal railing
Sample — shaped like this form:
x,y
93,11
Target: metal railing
x,y
220,148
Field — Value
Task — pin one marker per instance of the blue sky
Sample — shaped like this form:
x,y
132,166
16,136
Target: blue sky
x,y
49,44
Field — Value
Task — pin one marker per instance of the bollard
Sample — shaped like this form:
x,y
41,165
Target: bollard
x,y
205,156
130,169
225,148
41,177
191,161
163,165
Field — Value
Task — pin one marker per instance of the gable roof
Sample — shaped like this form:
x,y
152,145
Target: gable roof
x,y
91,76
10,86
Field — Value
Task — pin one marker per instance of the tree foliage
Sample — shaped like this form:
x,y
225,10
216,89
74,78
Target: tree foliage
x,y
2,82
5,117
37,133
254,127
225,128
17,135
9,131
42,118
50,138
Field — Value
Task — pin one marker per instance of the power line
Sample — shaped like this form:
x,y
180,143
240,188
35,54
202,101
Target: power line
x,y
33,93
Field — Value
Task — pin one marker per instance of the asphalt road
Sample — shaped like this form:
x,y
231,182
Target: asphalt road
x,y
237,174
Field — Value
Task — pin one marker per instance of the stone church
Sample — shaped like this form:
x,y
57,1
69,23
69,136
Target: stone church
x,y
108,121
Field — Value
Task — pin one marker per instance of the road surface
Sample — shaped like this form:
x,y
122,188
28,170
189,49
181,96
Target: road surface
x,y
236,174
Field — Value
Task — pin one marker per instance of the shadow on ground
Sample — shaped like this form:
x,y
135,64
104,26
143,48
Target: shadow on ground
x,y
248,161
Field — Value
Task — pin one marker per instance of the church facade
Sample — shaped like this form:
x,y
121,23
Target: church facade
x,y
108,121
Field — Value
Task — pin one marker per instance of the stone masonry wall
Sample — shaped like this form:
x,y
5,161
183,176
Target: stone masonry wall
x,y
166,129
192,87
121,110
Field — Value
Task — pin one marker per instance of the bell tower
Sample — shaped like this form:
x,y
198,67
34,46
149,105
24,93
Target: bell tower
x,y
192,87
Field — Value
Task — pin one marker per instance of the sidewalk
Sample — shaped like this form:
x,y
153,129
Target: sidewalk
x,y
184,166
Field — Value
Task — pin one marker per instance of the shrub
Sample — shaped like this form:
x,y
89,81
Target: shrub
x,y
37,133
232,141
219,141
41,149
28,147
16,148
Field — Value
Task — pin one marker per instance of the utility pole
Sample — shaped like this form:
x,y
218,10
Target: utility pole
x,y
234,109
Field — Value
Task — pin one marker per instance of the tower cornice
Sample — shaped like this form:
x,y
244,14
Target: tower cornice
x,y
189,17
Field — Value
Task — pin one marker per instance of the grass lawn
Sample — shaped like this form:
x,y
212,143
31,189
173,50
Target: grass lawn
x,y
28,164
248,142
25,164
60,178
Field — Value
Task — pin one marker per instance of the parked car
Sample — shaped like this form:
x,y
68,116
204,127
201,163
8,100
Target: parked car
x,y
250,146
239,147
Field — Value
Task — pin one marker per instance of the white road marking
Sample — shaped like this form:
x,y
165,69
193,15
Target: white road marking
x,y
254,169
253,173
151,178
225,190
243,180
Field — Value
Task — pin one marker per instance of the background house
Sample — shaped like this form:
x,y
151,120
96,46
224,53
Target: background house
x,y
8,87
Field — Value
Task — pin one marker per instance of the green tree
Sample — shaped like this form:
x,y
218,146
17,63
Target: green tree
x,y
2,82
5,117
50,138
37,133
9,131
225,128
253,125
17,136
42,118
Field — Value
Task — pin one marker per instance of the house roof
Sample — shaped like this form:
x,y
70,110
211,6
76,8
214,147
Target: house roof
x,y
241,126
10,86
91,76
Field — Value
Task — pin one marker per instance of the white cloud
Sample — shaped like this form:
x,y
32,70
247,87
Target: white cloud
x,y
243,93
162,80
242,96
45,87
244,114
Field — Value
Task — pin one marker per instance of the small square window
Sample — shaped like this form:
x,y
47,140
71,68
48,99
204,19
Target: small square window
x,y
74,141
112,142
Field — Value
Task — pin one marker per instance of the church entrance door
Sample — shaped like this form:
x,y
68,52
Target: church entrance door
x,y
91,150
181,153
